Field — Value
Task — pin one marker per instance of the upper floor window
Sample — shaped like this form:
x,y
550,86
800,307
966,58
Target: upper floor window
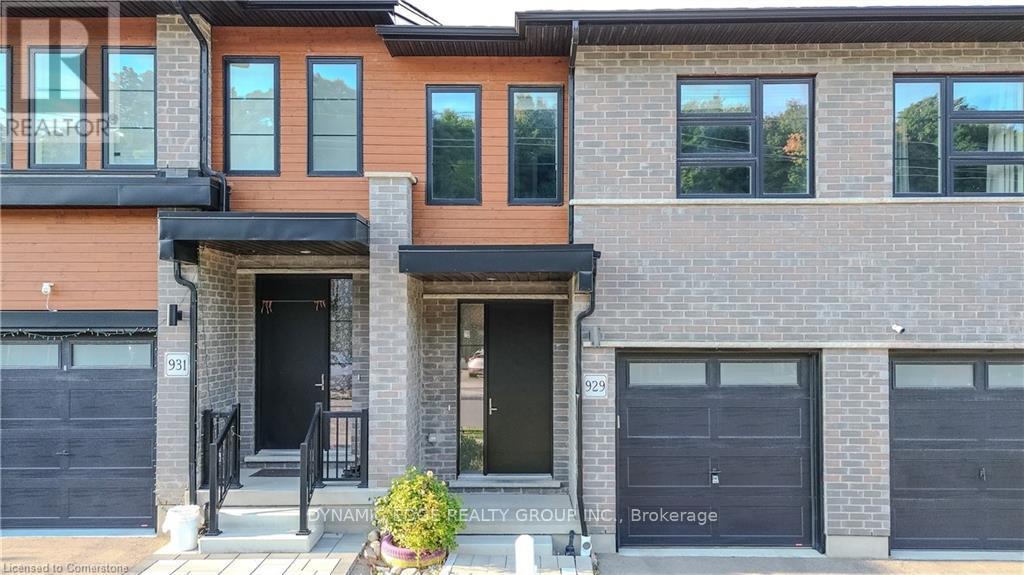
x,y
453,144
535,145
251,112
130,108
335,116
5,106
57,106
959,136
745,138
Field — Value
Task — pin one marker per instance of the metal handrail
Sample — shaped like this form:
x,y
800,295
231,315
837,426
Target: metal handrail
x,y
310,471
224,464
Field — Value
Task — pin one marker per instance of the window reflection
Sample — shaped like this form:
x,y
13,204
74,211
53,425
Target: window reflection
x,y
471,388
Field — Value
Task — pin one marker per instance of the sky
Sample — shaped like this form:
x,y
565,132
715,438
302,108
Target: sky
x,y
502,12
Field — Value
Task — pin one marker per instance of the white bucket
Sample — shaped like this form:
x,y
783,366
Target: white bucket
x,y
182,522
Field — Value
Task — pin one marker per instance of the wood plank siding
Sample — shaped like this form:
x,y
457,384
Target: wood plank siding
x,y
97,259
394,137
20,34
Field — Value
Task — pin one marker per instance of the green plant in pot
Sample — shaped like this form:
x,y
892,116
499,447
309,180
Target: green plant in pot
x,y
418,519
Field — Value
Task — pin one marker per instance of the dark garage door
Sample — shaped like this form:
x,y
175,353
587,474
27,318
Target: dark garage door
x,y
746,420
78,433
957,452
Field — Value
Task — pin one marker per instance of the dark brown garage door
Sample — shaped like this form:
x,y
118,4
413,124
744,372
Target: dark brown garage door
x,y
716,450
78,433
957,433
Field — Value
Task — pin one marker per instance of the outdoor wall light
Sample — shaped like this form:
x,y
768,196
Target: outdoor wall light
x,y
897,328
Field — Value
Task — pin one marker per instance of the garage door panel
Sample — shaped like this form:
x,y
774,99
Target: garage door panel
x,y
1006,421
936,421
753,421
29,404
667,471
667,422
992,523
755,439
763,471
25,449
110,404
102,422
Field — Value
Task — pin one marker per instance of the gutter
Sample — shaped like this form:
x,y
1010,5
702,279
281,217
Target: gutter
x,y
579,395
204,107
193,376
572,125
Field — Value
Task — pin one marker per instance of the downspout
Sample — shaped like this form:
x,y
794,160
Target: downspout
x,y
193,372
572,123
579,394
204,107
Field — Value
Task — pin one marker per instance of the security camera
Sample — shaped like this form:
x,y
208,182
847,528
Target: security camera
x,y
897,328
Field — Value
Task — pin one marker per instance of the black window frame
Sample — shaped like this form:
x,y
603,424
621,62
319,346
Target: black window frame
x,y
106,52
559,145
227,62
477,90
310,62
8,51
948,117
979,362
82,51
754,160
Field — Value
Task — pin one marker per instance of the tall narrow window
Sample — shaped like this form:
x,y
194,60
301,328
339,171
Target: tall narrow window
x,y
535,145
471,387
744,137
5,106
453,145
130,106
251,145
335,117
57,131
959,136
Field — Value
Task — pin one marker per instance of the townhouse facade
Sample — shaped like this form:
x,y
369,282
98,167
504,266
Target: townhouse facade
x,y
710,278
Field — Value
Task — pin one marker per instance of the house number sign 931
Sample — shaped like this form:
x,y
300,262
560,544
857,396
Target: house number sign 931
x,y
176,364
595,385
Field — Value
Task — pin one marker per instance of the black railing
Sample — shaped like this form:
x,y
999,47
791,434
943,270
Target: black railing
x,y
309,470
335,449
223,464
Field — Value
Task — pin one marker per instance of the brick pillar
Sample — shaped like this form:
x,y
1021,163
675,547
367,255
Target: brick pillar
x,y
177,108
394,332
172,392
856,446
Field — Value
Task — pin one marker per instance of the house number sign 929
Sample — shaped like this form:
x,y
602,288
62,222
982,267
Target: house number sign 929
x,y
176,364
595,385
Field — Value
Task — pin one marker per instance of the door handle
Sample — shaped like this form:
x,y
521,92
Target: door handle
x,y
491,410
982,474
63,453
322,384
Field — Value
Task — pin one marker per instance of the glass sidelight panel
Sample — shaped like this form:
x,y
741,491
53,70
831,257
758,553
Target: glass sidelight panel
x,y
471,388
341,376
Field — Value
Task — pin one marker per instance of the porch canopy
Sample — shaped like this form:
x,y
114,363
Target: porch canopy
x,y
262,233
496,262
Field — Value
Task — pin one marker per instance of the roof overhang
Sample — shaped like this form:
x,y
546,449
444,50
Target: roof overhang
x,y
91,190
219,12
261,233
496,262
75,320
549,33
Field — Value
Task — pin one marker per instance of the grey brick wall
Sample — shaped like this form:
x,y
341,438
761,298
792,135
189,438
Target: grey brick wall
x,y
393,328
831,273
218,330
626,99
856,441
439,379
177,67
599,445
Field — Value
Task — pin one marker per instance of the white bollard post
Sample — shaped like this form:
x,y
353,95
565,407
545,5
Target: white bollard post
x,y
525,559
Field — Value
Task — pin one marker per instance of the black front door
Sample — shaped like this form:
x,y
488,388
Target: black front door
x,y
518,414
292,355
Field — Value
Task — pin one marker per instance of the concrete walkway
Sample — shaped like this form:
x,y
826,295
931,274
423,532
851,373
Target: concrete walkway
x,y
614,564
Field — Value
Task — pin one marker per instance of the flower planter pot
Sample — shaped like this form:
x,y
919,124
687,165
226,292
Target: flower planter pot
x,y
402,557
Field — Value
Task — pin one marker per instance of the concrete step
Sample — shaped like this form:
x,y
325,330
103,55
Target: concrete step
x,y
284,493
543,545
516,514
262,530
